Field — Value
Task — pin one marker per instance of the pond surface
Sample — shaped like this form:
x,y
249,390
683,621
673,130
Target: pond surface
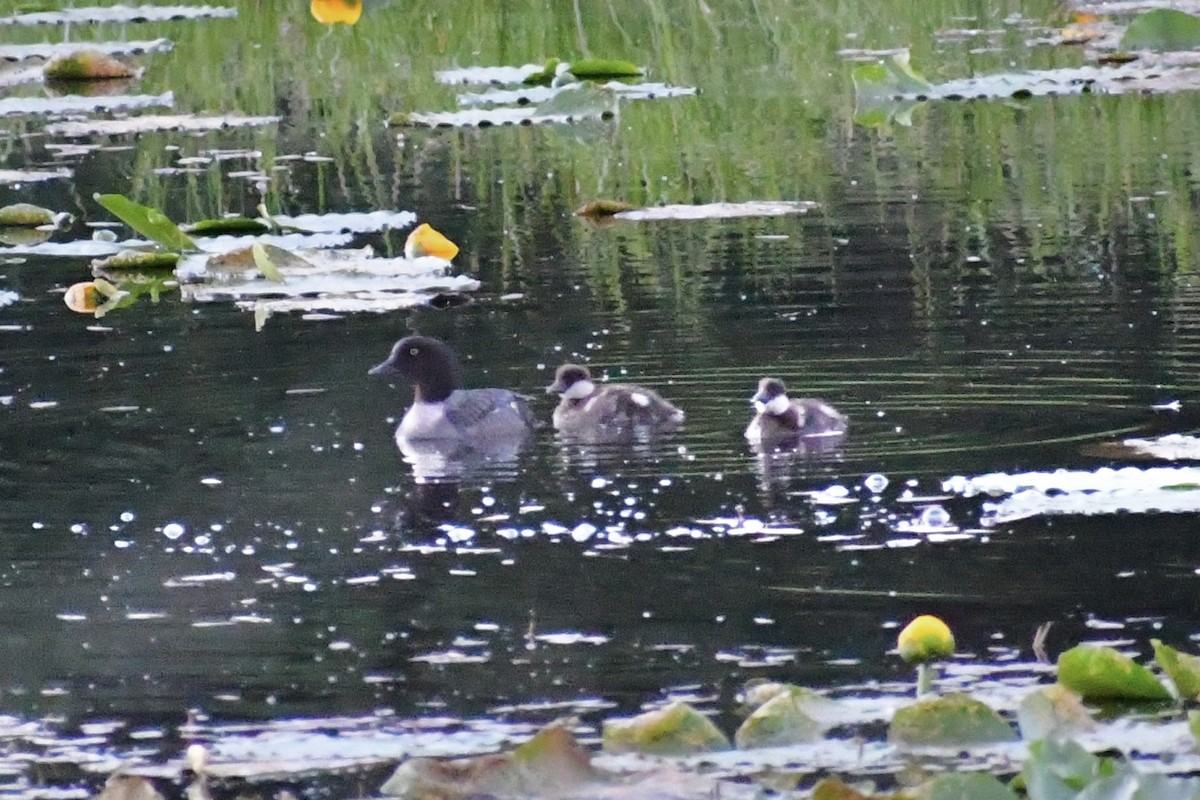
x,y
200,516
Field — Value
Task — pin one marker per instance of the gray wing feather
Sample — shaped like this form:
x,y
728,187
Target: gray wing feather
x,y
467,408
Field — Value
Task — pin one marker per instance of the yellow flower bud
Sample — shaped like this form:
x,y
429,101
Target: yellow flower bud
x,y
425,241
331,11
926,638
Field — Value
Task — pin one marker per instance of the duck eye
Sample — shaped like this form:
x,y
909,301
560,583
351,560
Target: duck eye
x,y
414,351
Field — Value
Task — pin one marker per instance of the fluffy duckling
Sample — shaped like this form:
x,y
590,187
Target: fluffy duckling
x,y
442,410
612,410
780,417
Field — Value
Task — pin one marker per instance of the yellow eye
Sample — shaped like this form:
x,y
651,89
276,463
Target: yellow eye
x,y
414,351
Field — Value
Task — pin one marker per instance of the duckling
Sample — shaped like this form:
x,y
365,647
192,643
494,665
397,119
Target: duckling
x,y
780,417
600,412
444,412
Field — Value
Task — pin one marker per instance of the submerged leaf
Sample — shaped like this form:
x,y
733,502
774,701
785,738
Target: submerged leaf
x,y
1163,29
87,65
950,721
1182,668
676,729
888,79
1101,673
150,222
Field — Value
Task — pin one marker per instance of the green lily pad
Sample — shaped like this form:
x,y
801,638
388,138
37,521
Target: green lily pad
x,y
884,80
1059,768
791,716
1163,30
87,65
972,785
149,222
1052,710
1182,668
1101,673
229,225
677,729
587,69
136,260
950,721
25,215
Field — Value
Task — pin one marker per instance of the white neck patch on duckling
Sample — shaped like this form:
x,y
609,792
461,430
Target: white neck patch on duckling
x,y
579,390
777,405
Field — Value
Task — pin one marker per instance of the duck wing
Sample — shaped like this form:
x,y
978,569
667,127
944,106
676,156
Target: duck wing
x,y
469,408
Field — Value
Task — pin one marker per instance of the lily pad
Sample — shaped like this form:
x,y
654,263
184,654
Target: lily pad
x,y
87,65
8,176
186,123
51,50
137,260
750,208
119,14
1162,29
78,104
961,786
587,69
572,104
1052,711
551,763
1101,673
25,215
227,225
1182,668
954,720
789,717
676,729
150,222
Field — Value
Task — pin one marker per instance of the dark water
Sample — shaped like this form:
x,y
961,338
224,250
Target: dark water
x,y
199,516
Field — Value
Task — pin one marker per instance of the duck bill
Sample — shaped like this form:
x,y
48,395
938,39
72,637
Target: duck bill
x,y
385,368
556,388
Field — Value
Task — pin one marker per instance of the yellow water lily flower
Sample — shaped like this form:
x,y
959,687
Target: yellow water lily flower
x,y
83,298
331,11
924,639
425,241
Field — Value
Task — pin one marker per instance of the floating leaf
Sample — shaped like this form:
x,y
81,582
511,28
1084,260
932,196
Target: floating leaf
x,y
749,208
586,69
888,79
1182,668
227,225
676,729
1052,710
551,763
140,260
964,786
150,123
87,65
1102,673
790,717
1163,29
25,215
149,222
954,720
603,208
